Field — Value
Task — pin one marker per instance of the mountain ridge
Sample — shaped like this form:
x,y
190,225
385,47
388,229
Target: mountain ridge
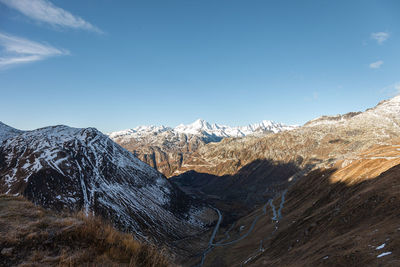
x,y
7,131
201,126
60,167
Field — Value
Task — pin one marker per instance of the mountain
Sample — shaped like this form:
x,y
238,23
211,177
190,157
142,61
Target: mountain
x,y
320,141
204,129
344,215
323,194
164,148
60,167
244,172
7,131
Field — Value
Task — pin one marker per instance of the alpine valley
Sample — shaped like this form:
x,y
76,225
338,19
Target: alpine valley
x,y
326,193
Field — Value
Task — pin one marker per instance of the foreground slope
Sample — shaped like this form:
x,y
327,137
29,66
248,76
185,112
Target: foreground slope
x,y
82,169
32,236
346,215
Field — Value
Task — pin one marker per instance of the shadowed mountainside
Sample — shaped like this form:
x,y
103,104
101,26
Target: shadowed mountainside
x,y
236,195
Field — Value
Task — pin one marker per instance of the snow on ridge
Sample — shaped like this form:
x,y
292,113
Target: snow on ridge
x,y
202,127
96,172
138,131
7,131
386,111
49,143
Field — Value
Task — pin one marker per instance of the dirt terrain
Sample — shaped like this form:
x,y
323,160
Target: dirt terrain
x,y
346,215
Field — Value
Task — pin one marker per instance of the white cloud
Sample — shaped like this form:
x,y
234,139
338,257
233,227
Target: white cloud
x,y
16,50
45,11
380,37
376,65
391,90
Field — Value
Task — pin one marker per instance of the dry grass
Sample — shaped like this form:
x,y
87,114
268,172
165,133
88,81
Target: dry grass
x,y
31,236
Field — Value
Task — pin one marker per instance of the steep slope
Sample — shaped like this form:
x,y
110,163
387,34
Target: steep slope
x,y
68,168
346,215
32,236
164,148
7,131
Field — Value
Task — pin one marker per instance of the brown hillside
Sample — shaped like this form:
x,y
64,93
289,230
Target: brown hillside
x,y
343,216
32,236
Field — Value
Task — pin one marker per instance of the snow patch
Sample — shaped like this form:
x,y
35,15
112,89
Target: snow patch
x,y
381,246
384,254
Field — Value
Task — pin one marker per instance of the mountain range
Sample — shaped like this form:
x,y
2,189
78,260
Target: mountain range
x,y
164,148
210,132
322,194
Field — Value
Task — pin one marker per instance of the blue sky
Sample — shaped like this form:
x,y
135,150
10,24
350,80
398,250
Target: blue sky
x,y
118,64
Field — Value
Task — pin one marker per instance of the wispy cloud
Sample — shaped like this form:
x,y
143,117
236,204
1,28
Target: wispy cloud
x,y
376,65
391,90
16,50
380,37
45,11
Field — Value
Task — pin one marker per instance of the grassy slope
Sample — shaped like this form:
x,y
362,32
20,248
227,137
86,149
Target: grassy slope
x,y
32,236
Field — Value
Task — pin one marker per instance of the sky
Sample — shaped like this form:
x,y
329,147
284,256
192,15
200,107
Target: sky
x,y
115,65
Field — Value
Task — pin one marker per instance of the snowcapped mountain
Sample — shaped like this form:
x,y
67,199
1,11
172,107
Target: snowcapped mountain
x,y
165,147
202,128
387,113
320,142
7,131
61,167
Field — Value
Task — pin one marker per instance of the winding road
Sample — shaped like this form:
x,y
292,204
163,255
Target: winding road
x,y
277,215
210,242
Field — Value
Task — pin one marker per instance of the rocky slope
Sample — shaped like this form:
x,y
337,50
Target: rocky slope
x,y
68,168
346,215
165,148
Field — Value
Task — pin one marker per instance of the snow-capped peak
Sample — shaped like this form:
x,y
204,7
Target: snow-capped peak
x,y
196,127
201,127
